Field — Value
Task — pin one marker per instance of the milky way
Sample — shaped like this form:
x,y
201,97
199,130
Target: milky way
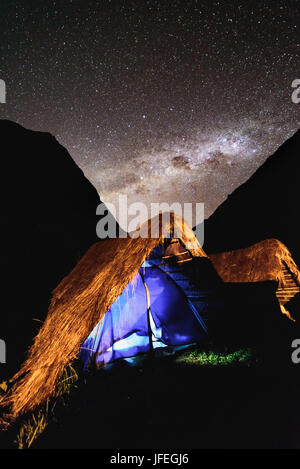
x,y
163,101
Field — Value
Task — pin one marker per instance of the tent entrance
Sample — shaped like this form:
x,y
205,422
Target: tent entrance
x,y
153,311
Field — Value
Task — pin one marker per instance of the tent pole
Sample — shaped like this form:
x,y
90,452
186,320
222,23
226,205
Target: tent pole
x,y
148,315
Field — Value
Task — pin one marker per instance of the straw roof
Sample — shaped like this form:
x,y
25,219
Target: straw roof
x,y
80,301
263,261
266,260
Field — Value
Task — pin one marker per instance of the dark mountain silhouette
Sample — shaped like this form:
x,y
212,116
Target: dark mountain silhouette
x,y
266,206
48,215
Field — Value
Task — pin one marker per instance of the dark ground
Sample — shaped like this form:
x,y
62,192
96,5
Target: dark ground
x,y
168,404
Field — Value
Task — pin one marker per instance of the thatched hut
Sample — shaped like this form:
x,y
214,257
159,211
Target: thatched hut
x,y
268,260
83,297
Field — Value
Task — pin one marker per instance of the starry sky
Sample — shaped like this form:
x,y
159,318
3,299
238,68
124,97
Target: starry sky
x,y
164,101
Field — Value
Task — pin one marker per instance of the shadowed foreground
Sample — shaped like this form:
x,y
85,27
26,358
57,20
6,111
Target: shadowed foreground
x,y
175,403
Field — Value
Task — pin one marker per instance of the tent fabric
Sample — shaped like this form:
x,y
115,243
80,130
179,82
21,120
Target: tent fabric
x,y
175,306
125,319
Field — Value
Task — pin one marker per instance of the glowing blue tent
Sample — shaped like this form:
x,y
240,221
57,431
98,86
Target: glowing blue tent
x,y
167,304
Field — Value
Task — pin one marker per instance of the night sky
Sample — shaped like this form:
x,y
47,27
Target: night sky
x,y
161,100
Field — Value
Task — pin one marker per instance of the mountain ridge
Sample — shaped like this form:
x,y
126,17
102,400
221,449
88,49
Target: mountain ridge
x,y
48,214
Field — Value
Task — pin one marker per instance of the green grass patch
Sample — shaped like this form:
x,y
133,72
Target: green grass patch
x,y
213,358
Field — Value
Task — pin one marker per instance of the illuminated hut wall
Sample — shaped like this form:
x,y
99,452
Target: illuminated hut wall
x,y
268,260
